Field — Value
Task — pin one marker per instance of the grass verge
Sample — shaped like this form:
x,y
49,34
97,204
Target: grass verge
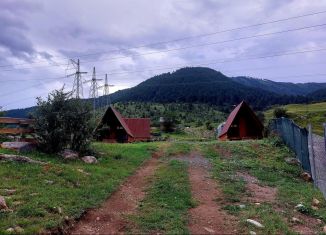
x,y
302,114
45,195
164,209
264,161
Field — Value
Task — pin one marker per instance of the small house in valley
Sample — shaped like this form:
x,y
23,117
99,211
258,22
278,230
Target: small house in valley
x,y
115,128
242,123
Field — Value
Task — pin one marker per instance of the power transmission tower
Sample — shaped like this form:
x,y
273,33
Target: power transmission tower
x,y
77,88
106,90
93,92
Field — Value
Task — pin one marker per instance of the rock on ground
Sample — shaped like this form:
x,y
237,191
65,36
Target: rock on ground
x,y
89,159
3,205
315,202
18,146
255,223
68,154
292,161
306,176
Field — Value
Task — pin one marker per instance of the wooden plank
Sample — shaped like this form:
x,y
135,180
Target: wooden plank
x,y
15,131
6,120
9,120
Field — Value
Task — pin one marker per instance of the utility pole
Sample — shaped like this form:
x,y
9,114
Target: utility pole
x,y
93,92
77,88
106,90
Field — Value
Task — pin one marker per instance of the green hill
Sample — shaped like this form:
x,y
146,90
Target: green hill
x,y
201,85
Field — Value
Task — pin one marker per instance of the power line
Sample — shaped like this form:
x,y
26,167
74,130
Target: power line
x,y
179,84
201,64
181,39
160,67
191,46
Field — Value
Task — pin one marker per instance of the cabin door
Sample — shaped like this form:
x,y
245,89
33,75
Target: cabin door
x,y
122,136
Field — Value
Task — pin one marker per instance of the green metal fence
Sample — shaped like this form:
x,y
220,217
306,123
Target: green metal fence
x,y
295,137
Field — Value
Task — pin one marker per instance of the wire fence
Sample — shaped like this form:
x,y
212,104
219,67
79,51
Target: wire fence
x,y
295,137
310,149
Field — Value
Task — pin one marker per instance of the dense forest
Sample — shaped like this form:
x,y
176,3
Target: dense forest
x,y
202,85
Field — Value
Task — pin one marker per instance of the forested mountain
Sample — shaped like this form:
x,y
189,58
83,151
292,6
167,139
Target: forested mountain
x,y
282,88
201,85
318,95
205,85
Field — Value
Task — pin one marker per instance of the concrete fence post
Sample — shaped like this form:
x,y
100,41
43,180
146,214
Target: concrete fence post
x,y
324,124
311,156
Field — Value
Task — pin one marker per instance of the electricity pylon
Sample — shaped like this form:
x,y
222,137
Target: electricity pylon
x,y
106,90
93,92
77,88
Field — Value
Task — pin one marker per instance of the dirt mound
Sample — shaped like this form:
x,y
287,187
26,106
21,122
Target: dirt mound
x,y
258,192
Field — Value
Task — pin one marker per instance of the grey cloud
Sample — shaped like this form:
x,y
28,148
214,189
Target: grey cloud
x,y
13,29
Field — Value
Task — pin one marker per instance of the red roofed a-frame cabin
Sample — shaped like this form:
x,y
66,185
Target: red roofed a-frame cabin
x,y
242,123
114,128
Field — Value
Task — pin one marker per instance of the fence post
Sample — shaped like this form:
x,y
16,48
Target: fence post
x,y
311,156
324,124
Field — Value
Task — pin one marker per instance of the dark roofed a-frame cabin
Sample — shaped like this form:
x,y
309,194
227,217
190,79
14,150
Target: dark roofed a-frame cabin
x,y
242,123
114,128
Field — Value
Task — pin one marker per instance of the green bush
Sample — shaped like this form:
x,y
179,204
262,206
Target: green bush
x,y
280,112
62,122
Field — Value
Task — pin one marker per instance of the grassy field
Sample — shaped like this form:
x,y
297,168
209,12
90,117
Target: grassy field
x,y
303,114
265,162
45,195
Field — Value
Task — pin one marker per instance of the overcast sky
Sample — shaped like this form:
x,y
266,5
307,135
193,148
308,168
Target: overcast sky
x,y
37,39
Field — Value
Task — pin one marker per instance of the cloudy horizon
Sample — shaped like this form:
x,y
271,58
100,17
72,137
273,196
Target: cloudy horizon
x,y
121,38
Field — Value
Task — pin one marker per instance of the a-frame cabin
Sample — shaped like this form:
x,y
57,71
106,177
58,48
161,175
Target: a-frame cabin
x,y
114,128
242,123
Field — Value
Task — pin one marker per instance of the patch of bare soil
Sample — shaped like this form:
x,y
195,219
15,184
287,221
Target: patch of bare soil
x,y
307,226
110,218
258,193
225,153
207,217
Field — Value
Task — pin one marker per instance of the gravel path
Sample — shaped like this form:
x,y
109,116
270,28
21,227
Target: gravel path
x,y
320,162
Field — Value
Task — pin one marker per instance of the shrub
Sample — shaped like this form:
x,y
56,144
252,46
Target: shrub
x,y
261,116
209,126
61,122
280,112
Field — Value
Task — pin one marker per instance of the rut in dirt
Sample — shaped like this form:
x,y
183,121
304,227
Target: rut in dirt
x,y
110,218
208,216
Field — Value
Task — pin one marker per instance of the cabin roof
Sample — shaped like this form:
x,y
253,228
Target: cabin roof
x,y
121,120
140,127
